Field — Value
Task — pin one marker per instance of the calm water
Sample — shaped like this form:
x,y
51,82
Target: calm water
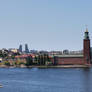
x,y
46,80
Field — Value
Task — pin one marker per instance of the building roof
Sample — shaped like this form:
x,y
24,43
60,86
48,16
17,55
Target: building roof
x,y
74,56
25,56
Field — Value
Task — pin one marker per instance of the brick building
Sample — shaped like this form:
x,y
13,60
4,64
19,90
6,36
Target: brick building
x,y
84,58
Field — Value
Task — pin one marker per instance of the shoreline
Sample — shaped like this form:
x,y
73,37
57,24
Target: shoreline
x,y
53,66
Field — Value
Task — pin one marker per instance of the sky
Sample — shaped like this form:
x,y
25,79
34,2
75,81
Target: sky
x,y
45,24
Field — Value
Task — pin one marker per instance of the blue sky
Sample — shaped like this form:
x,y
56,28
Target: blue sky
x,y
45,24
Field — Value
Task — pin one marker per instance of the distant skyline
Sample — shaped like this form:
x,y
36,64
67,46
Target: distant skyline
x,y
45,24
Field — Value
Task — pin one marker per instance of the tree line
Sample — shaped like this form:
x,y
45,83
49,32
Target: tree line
x,y
42,59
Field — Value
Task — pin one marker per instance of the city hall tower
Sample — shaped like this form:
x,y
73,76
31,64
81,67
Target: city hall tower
x,y
86,48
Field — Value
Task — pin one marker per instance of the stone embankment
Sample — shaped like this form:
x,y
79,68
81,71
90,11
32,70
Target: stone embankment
x,y
53,66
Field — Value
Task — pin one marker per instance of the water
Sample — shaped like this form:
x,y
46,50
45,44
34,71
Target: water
x,y
46,80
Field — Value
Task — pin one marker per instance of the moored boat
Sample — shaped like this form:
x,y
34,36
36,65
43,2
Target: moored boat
x,y
1,86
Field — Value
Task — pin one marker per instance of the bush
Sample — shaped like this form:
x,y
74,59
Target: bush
x,y
20,63
7,63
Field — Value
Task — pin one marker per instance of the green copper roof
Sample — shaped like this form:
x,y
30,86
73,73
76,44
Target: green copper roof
x,y
86,34
69,56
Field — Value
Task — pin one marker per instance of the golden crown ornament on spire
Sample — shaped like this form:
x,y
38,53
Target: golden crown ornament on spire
x,y
86,28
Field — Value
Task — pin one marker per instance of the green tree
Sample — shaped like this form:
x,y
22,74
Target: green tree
x,y
29,61
7,63
36,59
3,54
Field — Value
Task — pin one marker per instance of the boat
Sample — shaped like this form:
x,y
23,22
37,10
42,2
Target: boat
x,y
1,86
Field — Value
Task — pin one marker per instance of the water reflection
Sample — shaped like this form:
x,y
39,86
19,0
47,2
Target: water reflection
x,y
87,80
46,80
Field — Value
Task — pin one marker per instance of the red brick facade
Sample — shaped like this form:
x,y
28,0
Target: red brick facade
x,y
70,61
86,51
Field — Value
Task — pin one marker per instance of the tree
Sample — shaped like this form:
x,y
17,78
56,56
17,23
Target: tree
x,y
3,54
42,59
36,59
29,61
7,63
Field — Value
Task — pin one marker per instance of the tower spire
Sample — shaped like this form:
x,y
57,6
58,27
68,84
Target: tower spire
x,y
86,33
86,28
